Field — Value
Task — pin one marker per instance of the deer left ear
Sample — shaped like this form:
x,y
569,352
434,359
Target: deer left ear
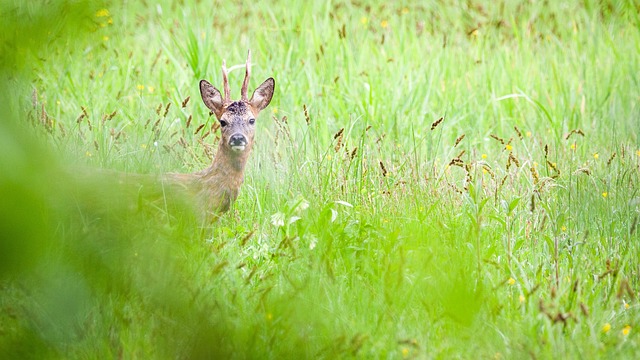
x,y
262,95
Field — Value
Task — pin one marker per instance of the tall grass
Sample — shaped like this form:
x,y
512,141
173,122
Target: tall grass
x,y
430,181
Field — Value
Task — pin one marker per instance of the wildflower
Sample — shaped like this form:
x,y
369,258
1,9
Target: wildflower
x,y
521,298
511,281
328,157
638,152
563,228
364,20
103,13
277,219
626,305
140,87
151,89
596,156
606,327
110,21
508,147
484,156
88,154
274,110
573,146
626,330
405,352
144,146
528,133
384,24
604,194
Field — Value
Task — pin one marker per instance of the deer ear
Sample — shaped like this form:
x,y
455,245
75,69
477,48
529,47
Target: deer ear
x,y
212,98
262,95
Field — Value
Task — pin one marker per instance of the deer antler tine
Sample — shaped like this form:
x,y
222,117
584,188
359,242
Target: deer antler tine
x,y
245,83
225,83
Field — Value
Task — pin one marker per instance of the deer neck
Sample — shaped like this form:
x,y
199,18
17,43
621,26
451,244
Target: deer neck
x,y
228,166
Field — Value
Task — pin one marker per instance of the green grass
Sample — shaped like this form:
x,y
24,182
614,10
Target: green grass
x,y
365,228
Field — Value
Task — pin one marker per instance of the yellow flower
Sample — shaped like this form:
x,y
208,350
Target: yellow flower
x,y
604,194
364,20
606,327
105,38
508,147
563,228
511,281
484,156
140,87
102,13
405,352
88,154
144,146
328,157
384,24
274,110
626,330
573,146
638,152
110,21
626,305
596,156
151,89
528,133
521,298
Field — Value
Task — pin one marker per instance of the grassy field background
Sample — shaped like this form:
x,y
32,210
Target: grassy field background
x,y
431,180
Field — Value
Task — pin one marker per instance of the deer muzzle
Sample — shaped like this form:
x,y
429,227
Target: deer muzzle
x,y
238,142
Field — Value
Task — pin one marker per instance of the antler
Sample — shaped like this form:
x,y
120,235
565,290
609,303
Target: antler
x,y
245,83
225,83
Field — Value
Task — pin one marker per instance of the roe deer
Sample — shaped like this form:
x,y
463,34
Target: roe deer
x,y
217,186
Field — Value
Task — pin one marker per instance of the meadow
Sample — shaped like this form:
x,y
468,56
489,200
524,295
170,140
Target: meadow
x,y
431,180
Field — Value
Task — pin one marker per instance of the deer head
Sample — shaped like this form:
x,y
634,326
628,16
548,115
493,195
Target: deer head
x,y
237,118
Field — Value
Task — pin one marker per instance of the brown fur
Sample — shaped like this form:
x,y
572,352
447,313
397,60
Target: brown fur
x,y
217,187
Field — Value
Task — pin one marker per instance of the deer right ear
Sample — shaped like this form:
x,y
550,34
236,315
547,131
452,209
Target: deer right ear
x,y
212,98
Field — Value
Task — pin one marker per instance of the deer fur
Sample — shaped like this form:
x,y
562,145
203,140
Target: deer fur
x,y
217,187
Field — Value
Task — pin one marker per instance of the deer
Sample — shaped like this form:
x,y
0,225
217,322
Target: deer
x,y
218,186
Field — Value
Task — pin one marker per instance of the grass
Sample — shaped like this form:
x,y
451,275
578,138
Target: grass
x,y
430,181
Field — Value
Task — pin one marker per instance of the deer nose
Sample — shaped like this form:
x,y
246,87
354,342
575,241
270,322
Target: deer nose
x,y
238,140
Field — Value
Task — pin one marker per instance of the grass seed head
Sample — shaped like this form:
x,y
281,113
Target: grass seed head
x,y
518,132
436,123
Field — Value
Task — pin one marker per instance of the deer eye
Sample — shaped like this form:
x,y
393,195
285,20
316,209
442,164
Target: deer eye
x,y
252,121
223,123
